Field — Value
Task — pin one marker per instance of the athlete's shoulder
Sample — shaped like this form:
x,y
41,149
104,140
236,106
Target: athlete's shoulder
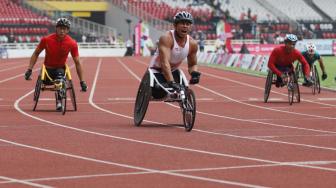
x,y
166,39
192,41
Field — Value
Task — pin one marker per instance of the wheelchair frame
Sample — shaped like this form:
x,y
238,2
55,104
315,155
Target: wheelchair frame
x,y
291,84
185,97
316,87
60,87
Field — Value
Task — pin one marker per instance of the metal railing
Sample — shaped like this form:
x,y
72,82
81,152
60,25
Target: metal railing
x,y
78,25
148,18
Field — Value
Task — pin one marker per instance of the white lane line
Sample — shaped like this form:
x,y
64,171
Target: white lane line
x,y
287,136
144,142
326,99
16,105
133,99
270,99
131,166
177,170
243,120
3,70
24,182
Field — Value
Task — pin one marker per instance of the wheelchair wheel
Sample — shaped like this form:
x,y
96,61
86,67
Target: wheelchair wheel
x,y
63,94
316,79
142,99
268,85
37,91
189,110
71,89
296,88
290,88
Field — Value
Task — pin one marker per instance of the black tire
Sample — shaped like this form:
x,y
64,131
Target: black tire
x,y
314,86
142,99
318,84
296,89
189,110
37,91
63,91
291,88
268,85
71,90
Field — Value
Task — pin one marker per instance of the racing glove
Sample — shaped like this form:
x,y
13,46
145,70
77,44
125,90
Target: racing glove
x,y
195,77
28,74
174,85
324,76
83,86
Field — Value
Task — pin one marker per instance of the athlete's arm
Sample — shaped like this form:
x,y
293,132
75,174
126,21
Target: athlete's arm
x,y
36,53
304,63
271,63
79,68
165,45
321,65
192,56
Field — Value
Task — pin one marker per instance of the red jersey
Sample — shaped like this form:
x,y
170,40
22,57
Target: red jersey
x,y
280,57
57,51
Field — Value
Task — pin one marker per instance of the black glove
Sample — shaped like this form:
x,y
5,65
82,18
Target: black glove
x,y
174,85
83,86
195,77
28,74
324,76
283,79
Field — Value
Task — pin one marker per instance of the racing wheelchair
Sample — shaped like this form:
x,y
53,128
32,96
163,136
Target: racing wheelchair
x,y
152,89
290,81
315,78
60,86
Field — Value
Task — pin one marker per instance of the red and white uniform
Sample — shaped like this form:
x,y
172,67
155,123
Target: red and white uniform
x,y
177,55
57,51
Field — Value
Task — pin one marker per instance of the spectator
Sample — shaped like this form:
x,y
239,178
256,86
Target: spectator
x,y
243,49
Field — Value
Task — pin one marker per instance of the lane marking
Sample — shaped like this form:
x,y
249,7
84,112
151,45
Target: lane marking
x,y
133,99
326,99
177,170
24,182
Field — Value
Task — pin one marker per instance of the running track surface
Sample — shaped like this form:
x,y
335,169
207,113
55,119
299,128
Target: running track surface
x,y
237,140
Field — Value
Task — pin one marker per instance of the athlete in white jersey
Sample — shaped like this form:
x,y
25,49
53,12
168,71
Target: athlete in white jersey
x,y
175,46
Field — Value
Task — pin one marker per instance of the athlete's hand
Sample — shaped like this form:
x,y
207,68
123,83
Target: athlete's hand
x,y
309,81
83,86
174,85
324,76
195,77
28,74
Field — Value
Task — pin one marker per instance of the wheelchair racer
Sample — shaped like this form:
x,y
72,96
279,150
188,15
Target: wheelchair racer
x,y
58,46
283,57
311,55
174,46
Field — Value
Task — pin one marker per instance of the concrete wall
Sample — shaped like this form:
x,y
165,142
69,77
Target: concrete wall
x,y
116,18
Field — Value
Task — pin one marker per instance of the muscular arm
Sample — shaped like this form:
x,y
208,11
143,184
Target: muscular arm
x,y
165,45
34,57
305,64
321,65
79,68
192,57
271,63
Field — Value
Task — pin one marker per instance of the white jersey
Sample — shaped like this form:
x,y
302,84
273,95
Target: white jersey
x,y
177,55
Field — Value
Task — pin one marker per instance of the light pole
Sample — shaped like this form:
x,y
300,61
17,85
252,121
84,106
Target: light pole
x,y
128,21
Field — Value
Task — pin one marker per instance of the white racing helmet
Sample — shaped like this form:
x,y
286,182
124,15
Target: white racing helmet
x,y
310,48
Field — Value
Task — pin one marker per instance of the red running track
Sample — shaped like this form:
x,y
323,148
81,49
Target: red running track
x,y
237,140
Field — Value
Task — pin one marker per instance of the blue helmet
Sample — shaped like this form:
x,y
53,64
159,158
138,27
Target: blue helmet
x,y
291,38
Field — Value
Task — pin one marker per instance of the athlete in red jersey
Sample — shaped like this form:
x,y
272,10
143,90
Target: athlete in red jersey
x,y
57,47
283,57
